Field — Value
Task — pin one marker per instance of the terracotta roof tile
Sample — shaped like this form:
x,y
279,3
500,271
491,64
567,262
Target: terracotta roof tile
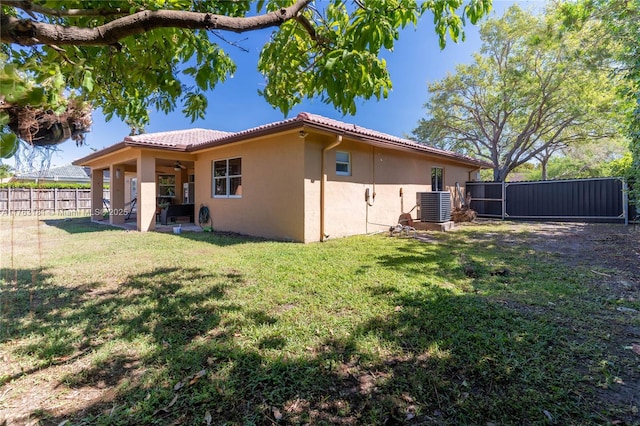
x,y
374,134
196,139
176,138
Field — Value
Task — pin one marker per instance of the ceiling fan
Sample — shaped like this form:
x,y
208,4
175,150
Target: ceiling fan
x,y
177,167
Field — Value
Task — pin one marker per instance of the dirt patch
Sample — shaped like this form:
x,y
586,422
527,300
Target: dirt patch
x,y
611,253
604,247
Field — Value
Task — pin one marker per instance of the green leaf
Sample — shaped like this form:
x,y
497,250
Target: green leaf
x,y
202,77
87,81
8,145
195,106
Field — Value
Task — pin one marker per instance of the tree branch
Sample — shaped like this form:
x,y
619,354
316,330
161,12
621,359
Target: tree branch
x,y
28,32
28,6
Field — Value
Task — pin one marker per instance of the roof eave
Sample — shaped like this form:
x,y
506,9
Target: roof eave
x,y
94,155
398,145
127,144
149,145
301,121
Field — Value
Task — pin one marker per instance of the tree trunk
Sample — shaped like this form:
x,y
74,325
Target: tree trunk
x,y
500,174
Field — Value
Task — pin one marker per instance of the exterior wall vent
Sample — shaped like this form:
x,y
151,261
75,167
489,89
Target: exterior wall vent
x,y
434,206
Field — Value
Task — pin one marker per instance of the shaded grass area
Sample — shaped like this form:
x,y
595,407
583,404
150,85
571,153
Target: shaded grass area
x,y
474,328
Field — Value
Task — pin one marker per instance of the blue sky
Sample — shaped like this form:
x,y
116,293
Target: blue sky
x,y
235,105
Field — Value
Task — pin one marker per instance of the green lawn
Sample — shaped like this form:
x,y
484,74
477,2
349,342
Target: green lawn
x,y
471,327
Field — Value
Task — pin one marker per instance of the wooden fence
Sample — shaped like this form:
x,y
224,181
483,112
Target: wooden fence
x,y
45,200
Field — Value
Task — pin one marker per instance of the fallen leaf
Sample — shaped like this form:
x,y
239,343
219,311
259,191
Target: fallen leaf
x,y
548,414
197,376
166,409
277,414
173,401
636,348
178,385
207,418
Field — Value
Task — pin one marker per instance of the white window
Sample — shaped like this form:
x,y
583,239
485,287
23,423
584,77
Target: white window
x,y
227,178
343,163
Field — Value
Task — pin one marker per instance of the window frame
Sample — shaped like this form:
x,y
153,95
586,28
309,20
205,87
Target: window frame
x,y
168,186
348,164
437,184
227,178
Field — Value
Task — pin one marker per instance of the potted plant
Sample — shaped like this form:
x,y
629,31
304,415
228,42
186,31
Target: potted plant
x,y
163,205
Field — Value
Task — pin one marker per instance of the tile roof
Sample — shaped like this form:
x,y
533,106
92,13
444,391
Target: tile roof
x,y
64,173
176,138
319,121
374,134
197,139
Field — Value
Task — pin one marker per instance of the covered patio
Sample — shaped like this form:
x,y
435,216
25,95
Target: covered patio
x,y
157,170
154,182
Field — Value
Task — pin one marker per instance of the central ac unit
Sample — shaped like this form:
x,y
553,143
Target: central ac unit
x,y
434,206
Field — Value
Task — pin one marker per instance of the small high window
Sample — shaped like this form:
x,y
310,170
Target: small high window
x,y
227,178
343,163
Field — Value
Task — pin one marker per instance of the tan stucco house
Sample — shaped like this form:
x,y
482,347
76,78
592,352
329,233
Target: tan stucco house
x,y
302,179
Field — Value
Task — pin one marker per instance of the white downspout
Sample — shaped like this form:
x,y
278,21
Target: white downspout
x,y
338,141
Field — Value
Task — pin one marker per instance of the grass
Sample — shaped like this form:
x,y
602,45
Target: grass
x,y
475,327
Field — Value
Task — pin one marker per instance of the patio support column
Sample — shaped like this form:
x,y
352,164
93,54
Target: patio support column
x,y
146,169
97,183
116,208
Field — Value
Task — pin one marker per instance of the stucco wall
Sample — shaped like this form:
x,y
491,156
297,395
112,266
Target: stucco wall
x,y
281,187
272,203
383,171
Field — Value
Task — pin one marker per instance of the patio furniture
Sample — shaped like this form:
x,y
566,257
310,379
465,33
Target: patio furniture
x,y
131,204
174,211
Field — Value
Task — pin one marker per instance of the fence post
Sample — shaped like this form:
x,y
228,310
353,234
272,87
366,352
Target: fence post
x,y
504,200
55,200
625,201
8,200
31,200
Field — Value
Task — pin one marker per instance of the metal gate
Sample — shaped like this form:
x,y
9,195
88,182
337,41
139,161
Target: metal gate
x,y
585,200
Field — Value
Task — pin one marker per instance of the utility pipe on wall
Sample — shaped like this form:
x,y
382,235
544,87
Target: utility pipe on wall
x,y
370,198
337,142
